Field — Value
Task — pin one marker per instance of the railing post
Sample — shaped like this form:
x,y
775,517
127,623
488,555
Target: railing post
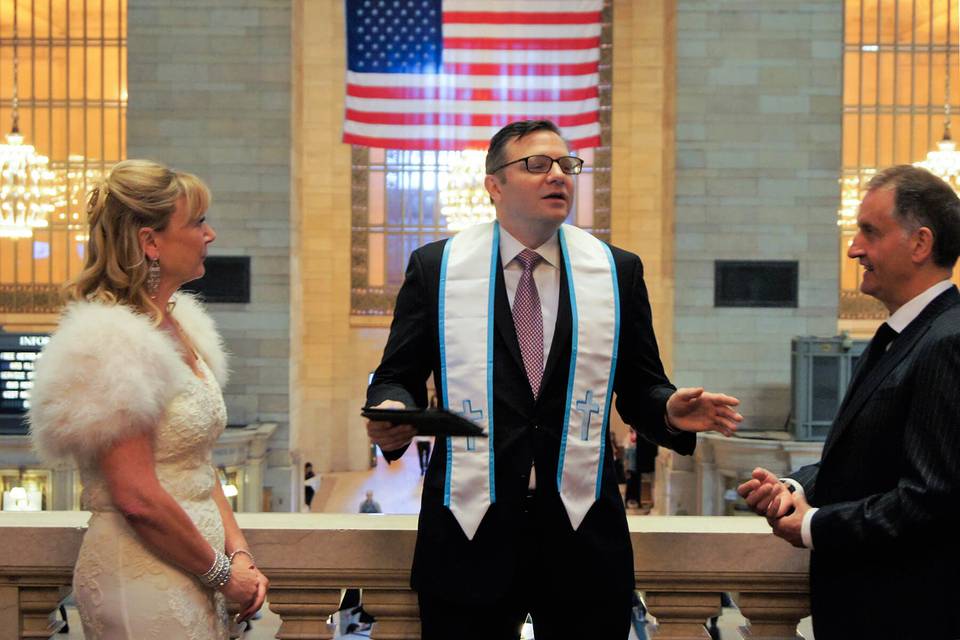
x,y
396,611
303,605
772,615
9,612
29,603
682,614
38,609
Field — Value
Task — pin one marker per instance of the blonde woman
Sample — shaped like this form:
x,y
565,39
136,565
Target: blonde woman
x,y
129,386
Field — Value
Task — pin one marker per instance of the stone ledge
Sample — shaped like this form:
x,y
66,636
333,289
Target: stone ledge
x,y
682,563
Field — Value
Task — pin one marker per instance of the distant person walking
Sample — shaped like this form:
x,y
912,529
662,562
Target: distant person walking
x,y
370,505
423,452
309,490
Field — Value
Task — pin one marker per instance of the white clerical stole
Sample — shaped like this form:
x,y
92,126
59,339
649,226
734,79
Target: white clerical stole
x,y
467,284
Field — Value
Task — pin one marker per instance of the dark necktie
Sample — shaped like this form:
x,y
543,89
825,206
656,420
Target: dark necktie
x,y
528,319
878,346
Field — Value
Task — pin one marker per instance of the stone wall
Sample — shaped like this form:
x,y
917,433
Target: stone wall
x,y
209,89
758,136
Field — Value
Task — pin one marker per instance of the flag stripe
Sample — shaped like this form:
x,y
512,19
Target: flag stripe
x,y
523,31
532,56
543,44
507,6
490,69
472,94
519,17
516,109
450,81
440,144
453,132
467,119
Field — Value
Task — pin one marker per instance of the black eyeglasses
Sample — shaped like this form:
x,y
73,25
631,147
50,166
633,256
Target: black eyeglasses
x,y
542,164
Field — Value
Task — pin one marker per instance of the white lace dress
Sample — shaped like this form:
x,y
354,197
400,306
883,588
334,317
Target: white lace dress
x,y
124,590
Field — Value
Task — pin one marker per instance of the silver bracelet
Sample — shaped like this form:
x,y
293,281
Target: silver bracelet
x,y
244,552
219,573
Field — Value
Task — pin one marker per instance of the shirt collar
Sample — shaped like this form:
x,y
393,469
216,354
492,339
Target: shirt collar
x,y
510,248
906,314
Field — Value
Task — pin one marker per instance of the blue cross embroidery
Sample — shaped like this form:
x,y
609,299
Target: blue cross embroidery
x,y
472,414
587,407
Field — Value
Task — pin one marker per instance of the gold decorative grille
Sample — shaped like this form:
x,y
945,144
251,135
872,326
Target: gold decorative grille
x,y
72,89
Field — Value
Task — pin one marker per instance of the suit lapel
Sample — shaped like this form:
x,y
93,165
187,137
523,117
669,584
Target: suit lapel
x,y
861,389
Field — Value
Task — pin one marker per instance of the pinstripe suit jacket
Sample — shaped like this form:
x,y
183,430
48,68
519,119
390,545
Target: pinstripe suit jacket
x,y
888,491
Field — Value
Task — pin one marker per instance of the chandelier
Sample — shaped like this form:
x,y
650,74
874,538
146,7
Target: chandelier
x,y
73,182
944,161
852,189
26,181
464,200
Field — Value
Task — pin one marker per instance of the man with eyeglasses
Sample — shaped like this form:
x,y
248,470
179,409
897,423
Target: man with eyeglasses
x,y
529,326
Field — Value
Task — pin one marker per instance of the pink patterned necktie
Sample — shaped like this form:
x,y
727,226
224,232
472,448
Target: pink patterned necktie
x,y
528,319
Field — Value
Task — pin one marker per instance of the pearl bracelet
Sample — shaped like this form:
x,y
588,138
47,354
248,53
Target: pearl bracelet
x,y
219,573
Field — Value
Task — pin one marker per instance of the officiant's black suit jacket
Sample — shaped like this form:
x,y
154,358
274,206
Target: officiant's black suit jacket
x,y
886,562
595,559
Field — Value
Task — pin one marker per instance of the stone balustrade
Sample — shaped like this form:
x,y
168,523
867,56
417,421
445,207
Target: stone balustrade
x,y
682,564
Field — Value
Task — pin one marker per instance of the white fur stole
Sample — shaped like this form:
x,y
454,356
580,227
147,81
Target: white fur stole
x,y
108,373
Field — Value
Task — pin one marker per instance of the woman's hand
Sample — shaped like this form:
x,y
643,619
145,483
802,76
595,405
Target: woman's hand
x,y
242,586
247,586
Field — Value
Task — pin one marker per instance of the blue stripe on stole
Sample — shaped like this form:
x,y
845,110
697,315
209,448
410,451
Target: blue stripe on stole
x,y
573,355
441,307
492,289
613,362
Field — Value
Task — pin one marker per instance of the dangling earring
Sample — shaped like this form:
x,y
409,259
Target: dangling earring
x,y
153,277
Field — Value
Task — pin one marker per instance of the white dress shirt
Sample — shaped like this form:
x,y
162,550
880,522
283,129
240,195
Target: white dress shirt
x,y
898,321
546,275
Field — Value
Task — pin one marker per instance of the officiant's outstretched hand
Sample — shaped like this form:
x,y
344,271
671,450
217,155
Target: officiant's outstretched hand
x,y
693,409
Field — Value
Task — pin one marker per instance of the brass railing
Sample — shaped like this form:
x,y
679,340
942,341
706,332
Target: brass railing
x,y
30,298
682,564
859,306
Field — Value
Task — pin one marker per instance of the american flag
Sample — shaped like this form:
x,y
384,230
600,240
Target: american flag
x,y
447,74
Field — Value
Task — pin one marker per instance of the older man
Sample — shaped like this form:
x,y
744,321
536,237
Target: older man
x,y
529,326
880,509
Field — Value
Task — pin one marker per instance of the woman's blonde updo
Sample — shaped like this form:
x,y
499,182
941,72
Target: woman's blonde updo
x,y
136,194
